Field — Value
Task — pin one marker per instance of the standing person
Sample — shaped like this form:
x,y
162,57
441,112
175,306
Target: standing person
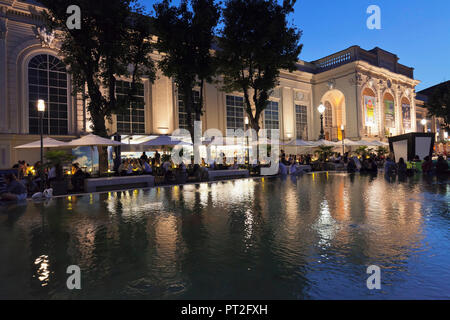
x,y
77,178
427,165
144,156
15,190
401,167
389,167
117,163
157,157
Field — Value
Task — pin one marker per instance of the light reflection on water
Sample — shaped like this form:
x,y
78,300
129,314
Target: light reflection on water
x,y
311,237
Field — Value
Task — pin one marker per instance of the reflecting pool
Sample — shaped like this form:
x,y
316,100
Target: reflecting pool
x,y
311,237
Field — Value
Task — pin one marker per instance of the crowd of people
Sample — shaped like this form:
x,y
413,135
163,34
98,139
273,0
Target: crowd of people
x,y
425,166
29,180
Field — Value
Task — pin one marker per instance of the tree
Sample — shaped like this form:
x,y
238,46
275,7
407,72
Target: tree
x,y
185,37
255,44
324,152
112,42
439,103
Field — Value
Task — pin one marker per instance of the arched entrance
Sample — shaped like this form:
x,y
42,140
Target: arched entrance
x,y
334,116
406,115
370,112
389,114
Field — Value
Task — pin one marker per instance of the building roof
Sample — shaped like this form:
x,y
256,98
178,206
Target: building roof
x,y
377,57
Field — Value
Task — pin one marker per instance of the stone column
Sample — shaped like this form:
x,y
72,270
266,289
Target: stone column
x,y
398,111
287,105
412,99
3,72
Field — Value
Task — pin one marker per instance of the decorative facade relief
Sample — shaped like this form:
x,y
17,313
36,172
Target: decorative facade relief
x,y
46,37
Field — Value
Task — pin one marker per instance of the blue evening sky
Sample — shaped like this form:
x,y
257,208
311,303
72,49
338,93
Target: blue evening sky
x,y
417,31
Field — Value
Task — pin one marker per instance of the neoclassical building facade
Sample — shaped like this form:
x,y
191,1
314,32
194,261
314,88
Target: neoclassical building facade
x,y
368,93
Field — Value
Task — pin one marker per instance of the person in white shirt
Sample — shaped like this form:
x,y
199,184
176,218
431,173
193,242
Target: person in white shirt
x,y
166,165
147,167
283,169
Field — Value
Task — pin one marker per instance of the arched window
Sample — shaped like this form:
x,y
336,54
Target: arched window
x,y
47,80
328,123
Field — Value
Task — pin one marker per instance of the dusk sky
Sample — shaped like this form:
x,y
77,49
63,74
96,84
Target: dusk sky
x,y
418,32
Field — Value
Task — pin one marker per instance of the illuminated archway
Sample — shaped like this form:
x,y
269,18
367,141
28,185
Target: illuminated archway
x,y
334,116
389,115
406,115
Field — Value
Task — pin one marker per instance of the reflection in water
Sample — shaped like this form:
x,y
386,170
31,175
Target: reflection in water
x,y
43,272
307,237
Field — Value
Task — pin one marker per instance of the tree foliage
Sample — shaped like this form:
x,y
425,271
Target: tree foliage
x,y
185,37
439,103
256,42
112,42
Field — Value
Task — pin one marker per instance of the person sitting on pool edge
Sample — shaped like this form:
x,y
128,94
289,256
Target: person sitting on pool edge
x,y
15,190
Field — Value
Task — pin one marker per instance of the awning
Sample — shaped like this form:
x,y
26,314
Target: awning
x,y
47,142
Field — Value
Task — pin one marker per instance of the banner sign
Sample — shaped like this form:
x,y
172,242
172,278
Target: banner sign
x,y
406,112
389,114
369,107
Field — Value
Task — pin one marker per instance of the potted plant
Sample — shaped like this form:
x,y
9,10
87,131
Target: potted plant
x,y
362,151
56,159
324,153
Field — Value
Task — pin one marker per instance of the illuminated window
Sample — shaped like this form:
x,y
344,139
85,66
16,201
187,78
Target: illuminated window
x,y
47,80
182,114
132,121
328,115
271,117
235,112
301,122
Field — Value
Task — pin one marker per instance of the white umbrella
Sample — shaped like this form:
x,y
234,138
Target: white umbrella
x,y
47,142
93,140
164,141
325,143
379,143
349,142
299,143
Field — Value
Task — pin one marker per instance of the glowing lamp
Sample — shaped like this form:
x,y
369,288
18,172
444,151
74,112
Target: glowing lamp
x,y
41,105
321,109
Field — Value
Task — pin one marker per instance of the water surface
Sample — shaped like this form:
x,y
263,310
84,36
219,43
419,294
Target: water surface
x,y
311,237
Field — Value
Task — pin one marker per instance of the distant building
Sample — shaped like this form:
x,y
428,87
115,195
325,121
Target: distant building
x,y
368,92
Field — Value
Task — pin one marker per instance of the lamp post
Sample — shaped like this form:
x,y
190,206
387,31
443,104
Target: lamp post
x,y
321,109
41,111
246,140
343,137
424,123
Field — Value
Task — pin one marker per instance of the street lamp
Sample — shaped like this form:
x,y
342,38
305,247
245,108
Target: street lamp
x,y
246,139
343,137
41,111
321,109
424,123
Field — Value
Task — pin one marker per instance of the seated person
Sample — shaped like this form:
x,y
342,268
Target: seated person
x,y
351,166
77,178
136,167
15,190
147,168
441,165
124,168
